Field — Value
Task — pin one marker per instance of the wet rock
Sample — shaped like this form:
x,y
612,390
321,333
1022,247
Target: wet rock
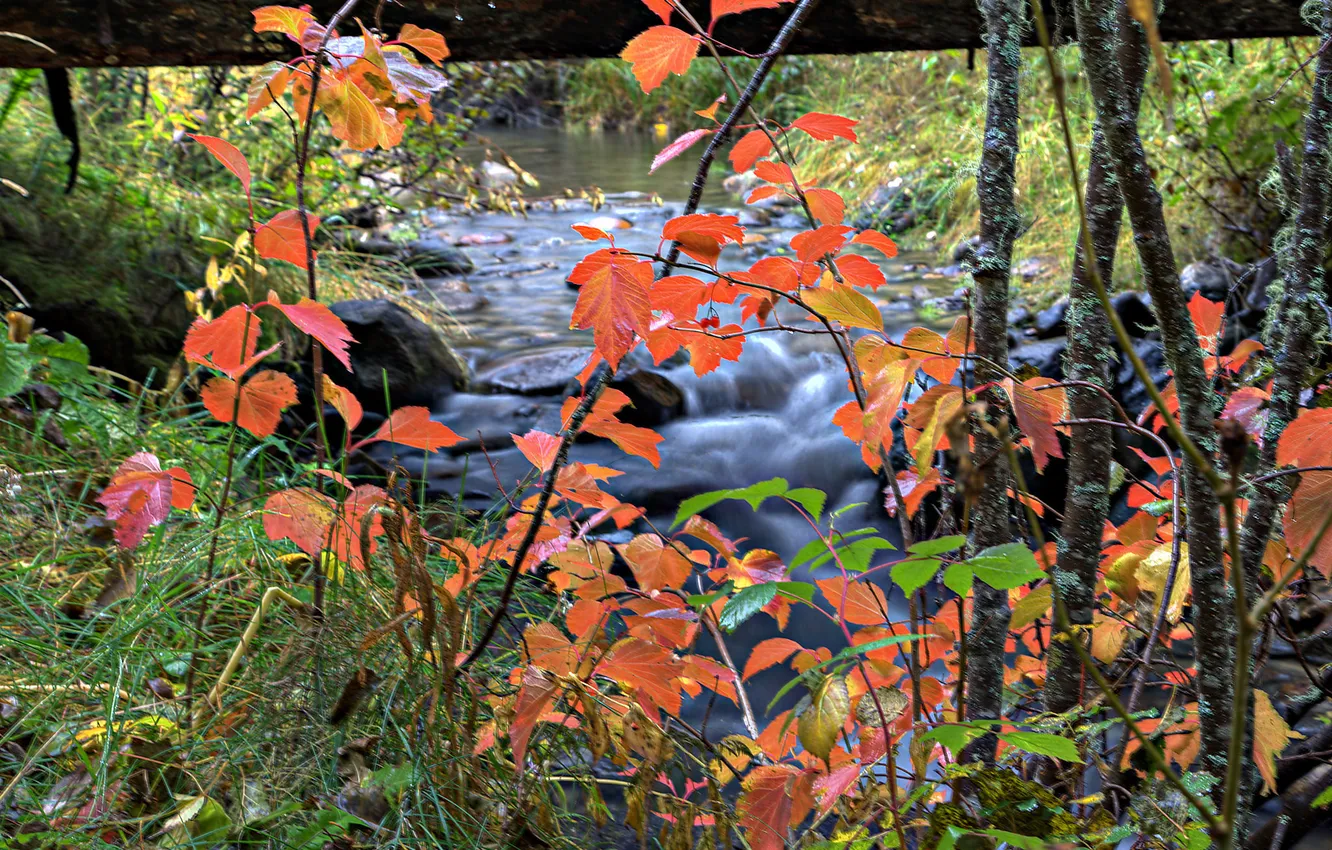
x,y
965,251
945,304
1051,321
430,257
496,175
494,237
1046,356
513,269
1034,267
1018,316
535,373
492,420
951,270
460,302
921,292
378,246
754,217
394,346
1128,389
1259,277
1133,311
654,398
792,221
1210,277
366,215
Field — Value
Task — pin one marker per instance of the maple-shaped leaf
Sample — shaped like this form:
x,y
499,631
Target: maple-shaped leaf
x,y
1309,506
1037,412
141,494
301,515
677,147
766,805
825,205
1271,734
876,240
660,8
428,43
825,127
291,22
782,273
538,447
613,301
1207,318
226,343
658,52
812,245
769,652
702,235
706,351
344,402
269,84
229,155
1307,441
412,426
735,7
601,421
752,147
656,565
262,399
843,304
282,238
318,321
646,667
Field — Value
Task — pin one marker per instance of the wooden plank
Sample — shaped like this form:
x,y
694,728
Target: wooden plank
x,y
84,33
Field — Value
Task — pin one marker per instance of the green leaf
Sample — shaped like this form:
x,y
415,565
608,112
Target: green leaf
x,y
698,504
810,499
703,600
817,548
756,493
801,590
14,368
939,545
1043,743
849,652
911,575
953,736
67,359
746,604
856,555
1323,799
1014,839
1159,508
1031,607
1006,567
958,577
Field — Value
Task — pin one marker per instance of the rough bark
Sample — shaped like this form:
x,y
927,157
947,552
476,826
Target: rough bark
x,y
1099,34
168,32
999,225
1090,357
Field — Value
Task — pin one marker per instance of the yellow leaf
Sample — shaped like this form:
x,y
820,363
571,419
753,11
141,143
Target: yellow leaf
x,y
1031,607
1108,638
1270,734
1154,571
830,703
843,304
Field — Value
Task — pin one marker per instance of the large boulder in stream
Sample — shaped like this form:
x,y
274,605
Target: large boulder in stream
x,y
435,258
394,347
545,372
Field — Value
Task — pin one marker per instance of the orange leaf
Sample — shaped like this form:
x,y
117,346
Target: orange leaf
x,y
1036,414
601,421
678,294
229,155
677,147
266,87
262,400
534,696
825,127
660,8
282,238
706,351
141,495
592,234
844,304
645,666
752,147
876,240
774,172
354,118
1308,508
613,301
1207,317
865,603
826,205
346,404
813,245
659,51
318,321
656,565
412,426
300,515
762,193
766,804
769,652
735,7
538,447
1307,441
702,235
217,342
284,19
920,340
428,43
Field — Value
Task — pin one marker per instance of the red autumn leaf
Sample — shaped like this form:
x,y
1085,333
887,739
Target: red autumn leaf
x,y
612,301
1207,317
825,127
830,787
262,400
592,234
229,155
676,148
706,351
1037,412
780,273
301,515
141,494
266,87
1307,441
826,205
538,447
412,426
813,245
428,43
535,695
656,565
765,805
283,239
344,402
343,539
647,667
218,342
702,235
735,7
660,8
318,321
752,147
876,240
769,652
284,19
865,603
1308,508
601,421
678,294
659,51
762,193
774,172
1245,407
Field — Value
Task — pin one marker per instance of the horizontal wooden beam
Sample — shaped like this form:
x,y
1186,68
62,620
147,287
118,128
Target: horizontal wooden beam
x,y
85,33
